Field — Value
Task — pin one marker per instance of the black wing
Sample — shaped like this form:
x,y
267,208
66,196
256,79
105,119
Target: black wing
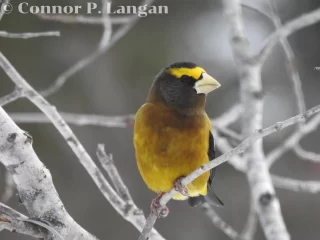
x,y
211,197
211,155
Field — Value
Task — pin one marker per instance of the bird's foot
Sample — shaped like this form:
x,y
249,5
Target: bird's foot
x,y
157,209
180,188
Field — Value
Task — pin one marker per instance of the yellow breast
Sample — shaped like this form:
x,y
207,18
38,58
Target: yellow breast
x,y
169,146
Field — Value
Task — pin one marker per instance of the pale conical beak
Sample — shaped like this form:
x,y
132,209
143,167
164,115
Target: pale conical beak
x,y
206,84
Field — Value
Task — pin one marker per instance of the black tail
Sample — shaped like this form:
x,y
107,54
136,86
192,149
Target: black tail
x,y
210,198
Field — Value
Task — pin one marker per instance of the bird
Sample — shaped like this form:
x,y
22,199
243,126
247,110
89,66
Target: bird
x,y
172,135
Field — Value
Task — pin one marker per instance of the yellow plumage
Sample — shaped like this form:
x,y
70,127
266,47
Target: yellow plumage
x,y
170,145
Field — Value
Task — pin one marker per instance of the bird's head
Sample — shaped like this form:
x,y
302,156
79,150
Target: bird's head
x,y
183,85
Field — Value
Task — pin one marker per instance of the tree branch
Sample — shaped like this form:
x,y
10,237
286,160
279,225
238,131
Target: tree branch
x,y
105,44
77,119
266,203
29,35
34,181
292,69
228,117
293,140
286,30
250,227
107,163
219,223
132,212
14,221
306,155
240,149
296,185
11,97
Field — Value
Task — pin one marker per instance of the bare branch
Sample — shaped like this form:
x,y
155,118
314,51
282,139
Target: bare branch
x,y
286,30
296,185
34,181
292,141
29,35
79,19
15,221
229,133
219,223
80,119
106,161
250,227
132,211
228,117
103,46
11,97
266,203
292,70
77,119
294,74
135,217
225,157
306,155
224,146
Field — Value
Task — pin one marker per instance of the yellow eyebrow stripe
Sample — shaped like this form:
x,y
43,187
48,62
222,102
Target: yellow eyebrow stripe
x,y
195,73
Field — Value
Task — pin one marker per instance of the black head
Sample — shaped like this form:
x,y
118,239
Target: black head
x,y
183,85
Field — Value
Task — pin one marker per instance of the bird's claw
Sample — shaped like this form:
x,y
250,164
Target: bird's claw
x,y
180,188
157,209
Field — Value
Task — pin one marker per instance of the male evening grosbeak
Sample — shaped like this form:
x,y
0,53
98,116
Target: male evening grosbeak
x,y
172,135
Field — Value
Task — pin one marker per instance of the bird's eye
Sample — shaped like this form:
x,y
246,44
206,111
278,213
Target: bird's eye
x,y
201,76
187,79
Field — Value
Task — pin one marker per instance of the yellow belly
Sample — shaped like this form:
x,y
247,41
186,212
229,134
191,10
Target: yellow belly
x,y
169,147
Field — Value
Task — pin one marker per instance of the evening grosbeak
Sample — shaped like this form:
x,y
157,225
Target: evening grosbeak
x,y
172,135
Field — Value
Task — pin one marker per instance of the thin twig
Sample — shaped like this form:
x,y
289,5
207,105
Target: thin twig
x,y
286,30
250,227
106,161
103,46
81,119
229,133
296,185
292,141
11,97
225,157
79,19
29,34
291,66
219,223
239,164
101,49
263,193
77,119
306,155
15,222
224,146
17,217
228,117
